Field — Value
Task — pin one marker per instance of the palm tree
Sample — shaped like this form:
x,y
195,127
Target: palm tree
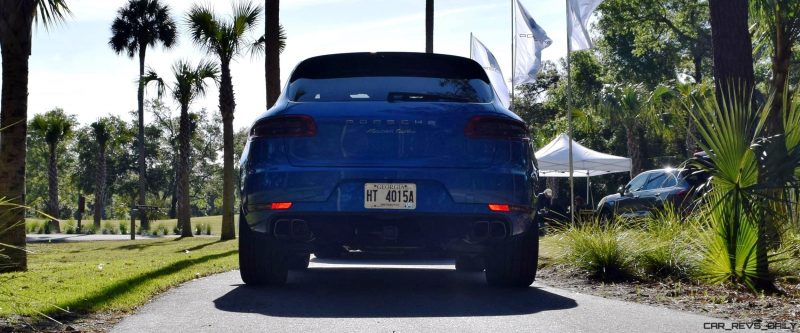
x,y
429,26
102,134
623,104
16,24
275,40
54,126
139,25
226,40
190,83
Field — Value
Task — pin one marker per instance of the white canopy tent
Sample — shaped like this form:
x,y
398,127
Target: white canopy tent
x,y
553,160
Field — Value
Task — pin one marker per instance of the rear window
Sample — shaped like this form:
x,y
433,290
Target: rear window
x,y
391,89
392,77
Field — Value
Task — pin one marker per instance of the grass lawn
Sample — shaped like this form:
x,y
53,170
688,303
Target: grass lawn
x,y
214,221
108,276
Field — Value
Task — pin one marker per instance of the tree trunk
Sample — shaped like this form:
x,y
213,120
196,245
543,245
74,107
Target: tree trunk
x,y
52,187
632,143
273,52
184,149
781,59
733,50
100,184
428,26
16,18
145,225
733,75
227,105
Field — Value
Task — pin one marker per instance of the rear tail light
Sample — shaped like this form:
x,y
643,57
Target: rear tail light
x,y
495,128
280,205
499,208
284,126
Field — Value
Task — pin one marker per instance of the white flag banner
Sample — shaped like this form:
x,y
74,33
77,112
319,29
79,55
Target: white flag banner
x,y
579,13
530,39
483,56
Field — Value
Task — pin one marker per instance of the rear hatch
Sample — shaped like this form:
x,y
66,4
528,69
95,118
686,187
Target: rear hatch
x,y
386,134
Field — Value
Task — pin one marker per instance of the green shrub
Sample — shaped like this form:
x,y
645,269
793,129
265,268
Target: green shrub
x,y
89,229
176,230
123,227
604,252
161,229
666,249
70,226
34,227
208,228
108,228
198,228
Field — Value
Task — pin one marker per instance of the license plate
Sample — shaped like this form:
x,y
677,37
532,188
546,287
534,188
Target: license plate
x,y
390,196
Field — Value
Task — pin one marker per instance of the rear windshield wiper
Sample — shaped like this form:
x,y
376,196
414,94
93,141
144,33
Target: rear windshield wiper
x,y
421,97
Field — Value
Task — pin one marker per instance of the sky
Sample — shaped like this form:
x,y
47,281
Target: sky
x,y
72,66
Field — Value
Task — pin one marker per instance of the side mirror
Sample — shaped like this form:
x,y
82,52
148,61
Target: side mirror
x,y
621,190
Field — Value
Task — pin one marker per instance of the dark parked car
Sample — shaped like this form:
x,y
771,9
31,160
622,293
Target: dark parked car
x,y
376,151
651,190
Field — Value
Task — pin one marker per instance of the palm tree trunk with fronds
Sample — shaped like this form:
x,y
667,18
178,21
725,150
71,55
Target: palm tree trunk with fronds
x,y
428,26
227,105
100,184
273,52
52,187
15,48
145,225
184,210
634,153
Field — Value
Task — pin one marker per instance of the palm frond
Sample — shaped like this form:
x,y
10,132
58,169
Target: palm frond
x,y
51,12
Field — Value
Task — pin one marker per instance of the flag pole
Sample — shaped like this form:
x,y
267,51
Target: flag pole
x,y
513,52
569,120
470,44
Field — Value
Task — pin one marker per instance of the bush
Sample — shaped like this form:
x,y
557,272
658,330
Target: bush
x,y
70,226
604,252
89,229
161,229
666,251
198,228
208,229
123,227
108,228
34,227
176,230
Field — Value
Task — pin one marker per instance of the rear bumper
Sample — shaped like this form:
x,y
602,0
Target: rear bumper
x,y
390,230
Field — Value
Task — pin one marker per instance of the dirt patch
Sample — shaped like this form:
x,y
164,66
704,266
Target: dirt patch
x,y
716,301
96,322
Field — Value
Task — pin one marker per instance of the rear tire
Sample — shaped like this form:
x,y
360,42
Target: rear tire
x,y
469,264
513,263
262,261
329,252
298,261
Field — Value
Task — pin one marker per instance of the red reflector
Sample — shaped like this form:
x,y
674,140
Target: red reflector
x,y
282,126
280,205
499,208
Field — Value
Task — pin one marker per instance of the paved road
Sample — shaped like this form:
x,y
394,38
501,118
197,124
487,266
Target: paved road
x,y
392,296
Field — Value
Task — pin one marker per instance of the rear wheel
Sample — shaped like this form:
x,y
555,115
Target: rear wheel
x,y
333,251
469,264
262,260
298,261
513,263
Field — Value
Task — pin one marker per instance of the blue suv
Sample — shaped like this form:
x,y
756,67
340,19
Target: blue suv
x,y
376,151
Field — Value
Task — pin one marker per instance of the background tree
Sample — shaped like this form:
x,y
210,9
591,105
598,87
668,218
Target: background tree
x,y
102,134
16,24
780,20
54,126
275,40
190,82
226,40
733,50
429,26
141,24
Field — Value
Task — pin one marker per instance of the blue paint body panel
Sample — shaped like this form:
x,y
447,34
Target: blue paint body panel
x,y
379,141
